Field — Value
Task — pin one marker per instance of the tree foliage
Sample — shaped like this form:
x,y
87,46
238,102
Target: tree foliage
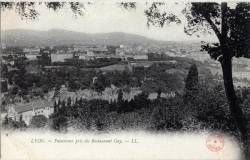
x,y
192,79
28,10
9,123
158,16
38,121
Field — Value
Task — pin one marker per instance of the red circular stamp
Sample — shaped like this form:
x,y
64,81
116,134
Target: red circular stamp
x,y
215,142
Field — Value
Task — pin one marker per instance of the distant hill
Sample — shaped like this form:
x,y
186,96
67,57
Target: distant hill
x,y
20,37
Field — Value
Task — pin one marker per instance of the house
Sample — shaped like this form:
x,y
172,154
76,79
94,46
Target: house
x,y
31,50
30,109
60,57
72,61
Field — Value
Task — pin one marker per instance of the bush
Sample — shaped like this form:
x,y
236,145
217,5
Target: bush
x,y
8,123
212,110
59,123
166,115
38,121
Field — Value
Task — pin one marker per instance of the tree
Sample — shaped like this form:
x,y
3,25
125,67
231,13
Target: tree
x,y
213,109
59,122
59,118
27,10
11,124
120,102
6,121
101,83
191,85
14,90
191,97
120,96
69,102
56,107
4,70
62,109
38,121
231,42
164,115
231,26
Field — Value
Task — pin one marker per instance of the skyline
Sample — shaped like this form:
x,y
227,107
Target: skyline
x,y
99,18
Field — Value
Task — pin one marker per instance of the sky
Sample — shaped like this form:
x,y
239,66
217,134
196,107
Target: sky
x,y
103,17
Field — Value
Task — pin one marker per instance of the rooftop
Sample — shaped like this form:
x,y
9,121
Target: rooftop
x,y
34,104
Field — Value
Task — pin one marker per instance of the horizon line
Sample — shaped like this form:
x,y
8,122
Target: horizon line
x,y
38,30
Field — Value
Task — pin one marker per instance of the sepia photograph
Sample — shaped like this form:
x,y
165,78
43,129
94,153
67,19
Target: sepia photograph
x,y
125,80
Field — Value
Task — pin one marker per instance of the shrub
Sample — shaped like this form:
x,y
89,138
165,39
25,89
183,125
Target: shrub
x,y
38,121
8,123
166,115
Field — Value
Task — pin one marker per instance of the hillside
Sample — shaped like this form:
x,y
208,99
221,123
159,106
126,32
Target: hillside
x,y
59,37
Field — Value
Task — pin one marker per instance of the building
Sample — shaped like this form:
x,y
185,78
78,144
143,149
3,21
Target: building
x,y
31,53
72,61
31,50
13,59
99,51
140,57
30,109
60,57
90,55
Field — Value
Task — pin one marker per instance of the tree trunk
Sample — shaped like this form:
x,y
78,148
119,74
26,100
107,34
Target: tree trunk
x,y
235,109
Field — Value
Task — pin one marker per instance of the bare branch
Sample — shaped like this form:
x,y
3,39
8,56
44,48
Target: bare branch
x,y
213,26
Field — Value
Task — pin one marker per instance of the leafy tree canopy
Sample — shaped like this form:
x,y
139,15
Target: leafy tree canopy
x,y
38,121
